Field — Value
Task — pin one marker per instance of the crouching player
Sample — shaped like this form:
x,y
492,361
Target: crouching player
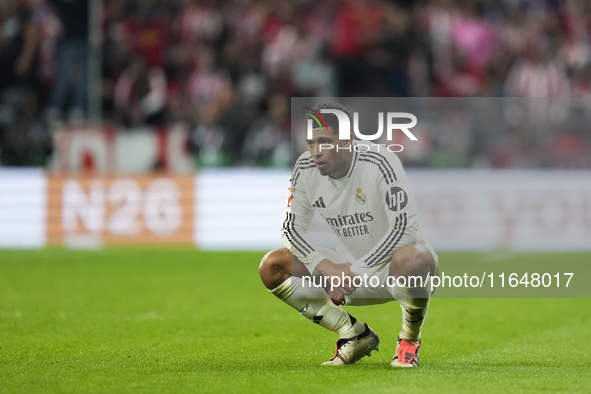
x,y
364,196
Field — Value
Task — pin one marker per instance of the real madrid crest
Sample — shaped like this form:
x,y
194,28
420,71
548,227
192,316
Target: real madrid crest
x,y
360,197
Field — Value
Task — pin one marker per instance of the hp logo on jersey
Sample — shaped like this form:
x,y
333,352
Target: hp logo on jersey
x,y
396,199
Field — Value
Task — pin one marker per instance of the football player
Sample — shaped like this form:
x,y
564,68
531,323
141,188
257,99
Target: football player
x,y
362,192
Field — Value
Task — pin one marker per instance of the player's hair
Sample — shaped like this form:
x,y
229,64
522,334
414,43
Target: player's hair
x,y
331,119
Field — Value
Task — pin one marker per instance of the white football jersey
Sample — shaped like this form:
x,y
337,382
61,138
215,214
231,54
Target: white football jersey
x,y
371,210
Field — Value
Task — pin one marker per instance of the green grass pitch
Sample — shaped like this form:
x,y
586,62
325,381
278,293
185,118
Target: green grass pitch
x,y
184,321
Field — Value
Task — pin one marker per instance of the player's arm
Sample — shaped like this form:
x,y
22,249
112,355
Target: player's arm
x,y
298,213
397,200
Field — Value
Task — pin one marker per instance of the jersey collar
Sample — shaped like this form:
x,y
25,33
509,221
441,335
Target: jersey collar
x,y
351,168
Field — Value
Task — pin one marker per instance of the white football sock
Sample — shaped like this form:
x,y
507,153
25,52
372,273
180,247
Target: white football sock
x,y
318,308
414,302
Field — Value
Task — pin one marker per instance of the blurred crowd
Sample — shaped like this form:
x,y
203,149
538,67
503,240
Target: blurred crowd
x,y
227,68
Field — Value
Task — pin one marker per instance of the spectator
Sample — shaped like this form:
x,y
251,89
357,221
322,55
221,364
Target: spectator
x,y
24,136
235,120
49,28
221,129
140,95
315,75
581,81
437,18
268,141
147,31
72,60
536,75
473,37
356,29
207,84
200,22
18,46
391,56
208,138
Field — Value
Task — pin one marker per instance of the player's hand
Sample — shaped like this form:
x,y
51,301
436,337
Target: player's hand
x,y
337,297
340,271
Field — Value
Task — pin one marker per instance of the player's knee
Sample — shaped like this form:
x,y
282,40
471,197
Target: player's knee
x,y
413,260
272,268
266,264
425,264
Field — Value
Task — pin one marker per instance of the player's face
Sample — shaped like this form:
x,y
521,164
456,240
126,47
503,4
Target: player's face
x,y
323,148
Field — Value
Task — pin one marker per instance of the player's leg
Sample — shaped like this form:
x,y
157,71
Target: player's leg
x,y
282,274
413,266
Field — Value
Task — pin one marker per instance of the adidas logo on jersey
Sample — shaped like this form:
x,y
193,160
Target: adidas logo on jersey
x,y
319,203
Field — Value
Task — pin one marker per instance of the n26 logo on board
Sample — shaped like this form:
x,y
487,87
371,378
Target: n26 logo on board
x,y
142,210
